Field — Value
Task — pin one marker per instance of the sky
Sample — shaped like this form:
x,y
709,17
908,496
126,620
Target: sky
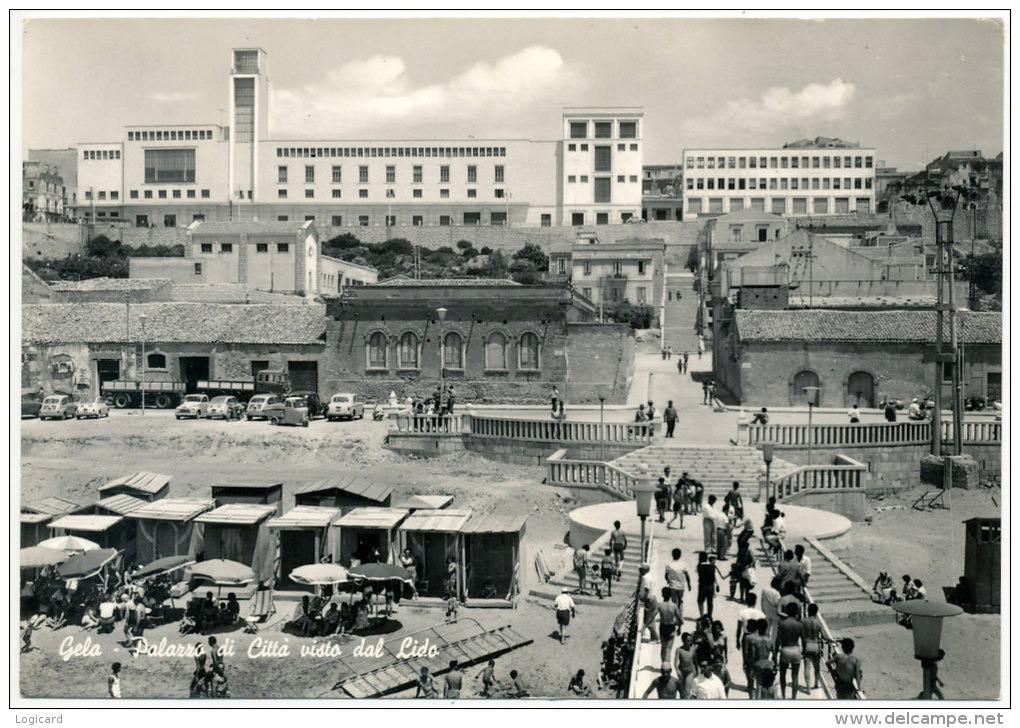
x,y
912,88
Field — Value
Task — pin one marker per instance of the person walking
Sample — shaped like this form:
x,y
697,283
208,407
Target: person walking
x,y
707,585
581,567
651,606
687,357
565,609
678,580
608,570
704,392
113,681
679,366
890,411
662,499
679,503
735,501
790,649
488,676
670,416
847,670
669,624
710,520
666,686
770,605
707,685
805,564
686,664
701,346
618,541
426,685
453,681
812,646
855,416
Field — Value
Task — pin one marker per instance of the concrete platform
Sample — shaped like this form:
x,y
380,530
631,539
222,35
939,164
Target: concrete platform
x,y
590,522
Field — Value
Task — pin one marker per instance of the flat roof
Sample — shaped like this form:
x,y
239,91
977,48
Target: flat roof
x,y
174,509
97,524
52,506
142,481
425,502
372,517
35,517
495,523
436,520
306,517
355,484
254,485
240,514
122,503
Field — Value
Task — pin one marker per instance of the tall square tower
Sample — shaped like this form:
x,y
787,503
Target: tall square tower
x,y
249,121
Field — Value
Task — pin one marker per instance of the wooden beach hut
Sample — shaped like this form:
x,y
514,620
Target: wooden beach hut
x,y
363,530
268,493
346,492
239,532
305,537
492,555
108,531
167,528
425,502
147,486
434,537
36,516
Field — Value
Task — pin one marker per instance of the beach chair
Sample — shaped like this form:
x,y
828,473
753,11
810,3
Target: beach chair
x,y
260,610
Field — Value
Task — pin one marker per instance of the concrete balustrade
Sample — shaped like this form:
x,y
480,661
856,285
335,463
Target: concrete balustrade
x,y
877,434
548,430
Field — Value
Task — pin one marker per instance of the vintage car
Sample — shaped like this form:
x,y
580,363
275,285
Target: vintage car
x,y
94,408
31,403
291,411
258,403
227,407
58,407
345,406
316,407
194,405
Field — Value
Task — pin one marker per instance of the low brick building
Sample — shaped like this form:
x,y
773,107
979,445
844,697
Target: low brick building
x,y
501,342
767,357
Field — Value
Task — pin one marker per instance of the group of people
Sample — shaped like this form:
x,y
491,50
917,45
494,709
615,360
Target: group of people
x,y
683,498
209,679
440,403
453,683
681,363
207,613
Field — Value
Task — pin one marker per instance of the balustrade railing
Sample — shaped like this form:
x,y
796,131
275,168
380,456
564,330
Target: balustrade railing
x,y
845,474
877,434
565,431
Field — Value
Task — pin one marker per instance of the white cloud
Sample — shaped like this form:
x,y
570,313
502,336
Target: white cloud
x,y
367,93
172,98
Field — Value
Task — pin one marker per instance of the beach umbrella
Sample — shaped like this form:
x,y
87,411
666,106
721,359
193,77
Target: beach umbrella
x,y
223,572
83,566
380,572
320,574
71,544
35,557
162,566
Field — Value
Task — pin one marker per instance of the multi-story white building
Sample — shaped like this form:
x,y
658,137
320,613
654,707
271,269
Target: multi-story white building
x,y
170,176
818,177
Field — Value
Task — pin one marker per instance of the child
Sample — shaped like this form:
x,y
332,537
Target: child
x,y
34,623
767,691
451,609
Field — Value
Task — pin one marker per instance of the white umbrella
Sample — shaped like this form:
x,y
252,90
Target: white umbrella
x,y
320,574
70,544
35,557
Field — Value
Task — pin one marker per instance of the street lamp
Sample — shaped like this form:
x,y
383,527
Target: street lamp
x,y
767,453
926,624
643,497
602,425
812,402
142,318
441,313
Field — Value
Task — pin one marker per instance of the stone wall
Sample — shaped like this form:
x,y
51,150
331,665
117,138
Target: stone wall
x,y
56,240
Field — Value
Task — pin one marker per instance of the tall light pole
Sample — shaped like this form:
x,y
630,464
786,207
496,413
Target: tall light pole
x,y
767,454
441,313
812,402
643,498
602,426
142,318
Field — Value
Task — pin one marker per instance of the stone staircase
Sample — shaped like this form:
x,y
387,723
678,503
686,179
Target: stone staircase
x,y
715,467
623,590
681,314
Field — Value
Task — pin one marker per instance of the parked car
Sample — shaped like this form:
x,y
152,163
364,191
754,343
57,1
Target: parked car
x,y
30,405
194,405
291,411
227,407
316,407
345,405
95,408
258,403
58,407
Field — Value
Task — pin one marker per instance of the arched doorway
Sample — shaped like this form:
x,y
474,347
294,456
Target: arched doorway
x,y
860,389
804,378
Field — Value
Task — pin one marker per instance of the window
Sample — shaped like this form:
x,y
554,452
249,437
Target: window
x,y
161,194
587,293
617,268
453,351
309,175
281,175
169,165
528,358
282,218
336,220
444,174
546,220
155,360
102,194
444,220
407,353
601,218
261,247
495,352
603,129
587,267
336,194
584,147
281,194
417,220
584,179
578,129
868,162
205,194
577,218
226,247
416,194
628,130
571,178
499,174
363,174
283,247
444,194
571,147
336,175
417,174
169,221
603,159
391,220
821,205
498,194
641,266
642,295
362,194
472,194
198,269
134,194
206,247
191,194
377,350
621,179
472,174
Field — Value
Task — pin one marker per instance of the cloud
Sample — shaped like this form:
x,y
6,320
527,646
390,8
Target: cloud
x,y
172,98
373,92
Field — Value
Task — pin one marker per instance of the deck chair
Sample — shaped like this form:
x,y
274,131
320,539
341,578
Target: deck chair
x,y
261,608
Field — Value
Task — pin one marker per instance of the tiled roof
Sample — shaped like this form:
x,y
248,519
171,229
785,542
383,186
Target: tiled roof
x,y
251,228
173,323
111,284
230,293
447,282
863,326
918,301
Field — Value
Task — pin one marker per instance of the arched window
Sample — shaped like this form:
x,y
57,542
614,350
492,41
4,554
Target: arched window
x,y
495,351
860,389
453,351
799,396
377,350
408,351
155,360
529,352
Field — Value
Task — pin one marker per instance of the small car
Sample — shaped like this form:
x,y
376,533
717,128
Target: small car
x,y
316,407
291,411
95,408
229,408
258,403
345,405
58,407
194,405
30,405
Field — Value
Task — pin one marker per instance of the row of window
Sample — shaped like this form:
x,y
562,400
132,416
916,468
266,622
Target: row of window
x,y
312,152
259,247
171,135
148,194
601,218
444,194
417,174
642,267
571,178
619,147
98,154
781,183
778,205
408,351
603,129
781,162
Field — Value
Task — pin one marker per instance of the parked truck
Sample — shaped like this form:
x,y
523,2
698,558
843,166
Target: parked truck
x,y
123,393
267,381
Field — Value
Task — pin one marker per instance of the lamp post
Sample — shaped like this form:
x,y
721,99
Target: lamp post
x,y
441,313
926,624
142,318
812,402
767,453
643,497
602,426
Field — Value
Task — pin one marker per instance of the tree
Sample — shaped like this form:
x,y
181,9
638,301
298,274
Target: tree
x,y
638,316
102,247
498,267
529,264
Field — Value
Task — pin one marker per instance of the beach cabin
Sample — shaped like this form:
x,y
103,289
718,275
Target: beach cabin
x,y
434,537
305,537
147,486
363,530
167,528
346,493
119,505
982,564
239,532
110,532
492,555
36,516
425,502
268,493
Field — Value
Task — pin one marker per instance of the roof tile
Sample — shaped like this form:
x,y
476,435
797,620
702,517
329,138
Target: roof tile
x,y
863,326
